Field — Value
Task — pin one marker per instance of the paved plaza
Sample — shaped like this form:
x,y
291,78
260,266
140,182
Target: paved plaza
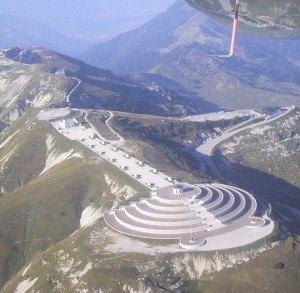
x,y
191,214
117,156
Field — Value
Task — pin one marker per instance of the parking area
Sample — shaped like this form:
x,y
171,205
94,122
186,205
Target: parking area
x,y
119,157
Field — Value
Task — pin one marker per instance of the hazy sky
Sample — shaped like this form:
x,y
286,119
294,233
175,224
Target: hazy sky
x,y
94,20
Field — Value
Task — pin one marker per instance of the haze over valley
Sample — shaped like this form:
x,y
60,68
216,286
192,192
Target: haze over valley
x,y
71,27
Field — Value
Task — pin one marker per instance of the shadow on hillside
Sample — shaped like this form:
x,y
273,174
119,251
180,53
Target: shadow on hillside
x,y
283,196
117,95
259,183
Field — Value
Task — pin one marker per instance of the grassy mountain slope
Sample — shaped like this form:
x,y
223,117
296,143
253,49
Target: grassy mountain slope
x,y
270,149
42,202
28,85
169,144
62,178
96,258
36,77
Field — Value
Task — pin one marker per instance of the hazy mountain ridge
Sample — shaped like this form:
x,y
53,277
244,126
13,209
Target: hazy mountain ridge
x,y
70,27
17,31
91,21
143,41
182,50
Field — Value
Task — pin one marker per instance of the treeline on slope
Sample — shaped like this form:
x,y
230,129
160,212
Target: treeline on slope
x,y
117,95
177,139
173,131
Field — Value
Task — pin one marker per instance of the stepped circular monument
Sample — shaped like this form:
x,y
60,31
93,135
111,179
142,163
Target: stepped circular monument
x,y
190,213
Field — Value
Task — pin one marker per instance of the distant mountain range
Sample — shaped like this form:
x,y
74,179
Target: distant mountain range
x,y
21,32
174,49
71,27
93,20
179,44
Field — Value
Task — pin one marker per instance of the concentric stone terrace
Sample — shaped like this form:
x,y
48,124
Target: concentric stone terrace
x,y
188,213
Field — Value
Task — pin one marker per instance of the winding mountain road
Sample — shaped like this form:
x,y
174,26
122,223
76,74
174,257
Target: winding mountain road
x,y
206,149
74,89
121,140
209,145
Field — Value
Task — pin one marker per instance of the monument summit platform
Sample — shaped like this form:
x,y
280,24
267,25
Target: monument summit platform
x,y
193,214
